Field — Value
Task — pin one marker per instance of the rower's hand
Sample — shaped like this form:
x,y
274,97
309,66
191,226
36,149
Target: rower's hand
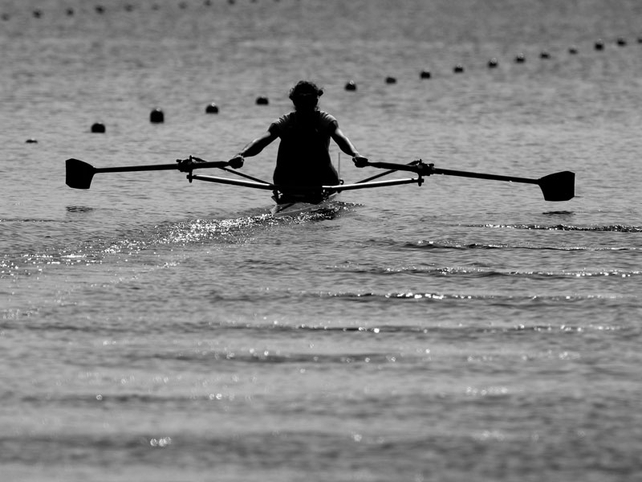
x,y
360,161
236,162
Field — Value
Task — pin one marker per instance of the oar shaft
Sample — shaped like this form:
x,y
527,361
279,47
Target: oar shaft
x,y
428,169
396,167
79,173
559,186
479,175
159,167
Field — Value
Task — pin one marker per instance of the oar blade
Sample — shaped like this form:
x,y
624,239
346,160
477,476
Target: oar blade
x,y
79,174
558,187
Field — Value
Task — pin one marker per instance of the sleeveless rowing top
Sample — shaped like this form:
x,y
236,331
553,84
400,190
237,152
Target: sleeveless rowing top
x,y
303,158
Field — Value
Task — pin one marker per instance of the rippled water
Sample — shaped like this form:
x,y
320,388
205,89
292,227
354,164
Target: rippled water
x,y
152,329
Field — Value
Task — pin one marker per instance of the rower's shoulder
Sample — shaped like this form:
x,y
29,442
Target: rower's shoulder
x,y
327,119
281,122
324,115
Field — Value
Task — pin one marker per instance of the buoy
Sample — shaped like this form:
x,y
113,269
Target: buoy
x,y
100,9
32,141
211,109
599,45
520,58
157,116
351,86
391,80
261,100
493,63
459,69
37,13
572,50
544,55
621,41
98,128
425,74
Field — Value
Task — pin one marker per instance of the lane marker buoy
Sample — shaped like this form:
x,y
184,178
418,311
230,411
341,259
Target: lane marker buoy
x,y
157,116
98,128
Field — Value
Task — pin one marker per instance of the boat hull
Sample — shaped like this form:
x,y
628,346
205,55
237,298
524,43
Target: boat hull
x,y
294,207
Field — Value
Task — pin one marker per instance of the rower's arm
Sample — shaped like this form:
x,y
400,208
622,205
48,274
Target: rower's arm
x,y
344,143
346,146
257,145
252,149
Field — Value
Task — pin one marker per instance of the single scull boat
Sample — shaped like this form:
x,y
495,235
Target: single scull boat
x,y
290,201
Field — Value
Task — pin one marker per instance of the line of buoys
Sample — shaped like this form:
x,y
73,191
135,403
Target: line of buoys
x,y
101,9
157,116
38,13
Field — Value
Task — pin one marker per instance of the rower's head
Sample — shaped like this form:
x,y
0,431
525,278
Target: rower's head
x,y
305,95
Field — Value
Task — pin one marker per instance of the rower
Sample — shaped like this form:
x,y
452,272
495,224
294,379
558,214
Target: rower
x,y
303,157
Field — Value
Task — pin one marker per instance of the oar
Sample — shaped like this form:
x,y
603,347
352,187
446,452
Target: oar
x,y
559,186
79,173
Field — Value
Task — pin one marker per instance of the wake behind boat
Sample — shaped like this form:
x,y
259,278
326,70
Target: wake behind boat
x,y
292,200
